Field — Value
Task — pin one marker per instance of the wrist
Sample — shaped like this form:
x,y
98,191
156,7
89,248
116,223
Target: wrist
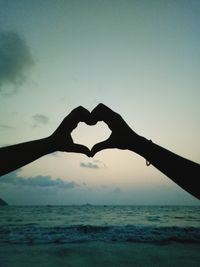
x,y
50,144
141,146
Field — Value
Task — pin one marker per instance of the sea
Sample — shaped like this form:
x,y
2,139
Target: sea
x,y
79,228
63,224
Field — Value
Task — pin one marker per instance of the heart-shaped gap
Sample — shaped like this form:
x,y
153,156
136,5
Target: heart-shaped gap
x,y
90,135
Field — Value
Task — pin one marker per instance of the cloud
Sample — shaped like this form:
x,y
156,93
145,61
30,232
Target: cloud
x,y
37,181
15,60
89,165
96,164
40,119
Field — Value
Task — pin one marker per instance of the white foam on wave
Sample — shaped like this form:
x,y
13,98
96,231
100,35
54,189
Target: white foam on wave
x,y
28,234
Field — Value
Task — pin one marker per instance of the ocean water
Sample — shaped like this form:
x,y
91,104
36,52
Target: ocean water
x,y
70,224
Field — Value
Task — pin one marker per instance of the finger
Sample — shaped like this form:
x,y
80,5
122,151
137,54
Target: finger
x,y
100,146
100,110
104,113
79,114
81,149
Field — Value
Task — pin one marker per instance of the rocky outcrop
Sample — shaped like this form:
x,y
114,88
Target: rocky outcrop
x,y
3,203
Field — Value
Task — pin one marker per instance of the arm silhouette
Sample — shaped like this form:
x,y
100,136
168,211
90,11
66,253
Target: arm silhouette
x,y
182,171
16,156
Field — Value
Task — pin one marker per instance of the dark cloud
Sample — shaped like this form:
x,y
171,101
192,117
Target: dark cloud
x,y
40,119
89,165
96,164
15,60
100,164
37,181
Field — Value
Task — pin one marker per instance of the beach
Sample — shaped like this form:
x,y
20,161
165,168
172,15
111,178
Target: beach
x,y
98,254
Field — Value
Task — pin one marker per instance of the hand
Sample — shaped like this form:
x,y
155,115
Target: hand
x,y
122,136
61,139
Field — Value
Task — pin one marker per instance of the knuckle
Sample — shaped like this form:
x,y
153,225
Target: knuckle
x,y
79,109
100,106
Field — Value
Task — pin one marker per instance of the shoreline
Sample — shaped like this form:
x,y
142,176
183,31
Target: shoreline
x,y
98,254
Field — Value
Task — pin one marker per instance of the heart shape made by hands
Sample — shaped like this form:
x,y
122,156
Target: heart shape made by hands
x,y
89,135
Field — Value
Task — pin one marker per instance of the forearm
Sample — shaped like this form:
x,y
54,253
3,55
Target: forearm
x,y
182,171
16,156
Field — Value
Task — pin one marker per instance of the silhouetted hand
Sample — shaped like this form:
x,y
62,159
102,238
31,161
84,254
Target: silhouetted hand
x,y
182,171
61,139
122,136
16,156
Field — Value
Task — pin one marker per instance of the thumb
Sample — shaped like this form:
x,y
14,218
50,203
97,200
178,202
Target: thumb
x,y
100,146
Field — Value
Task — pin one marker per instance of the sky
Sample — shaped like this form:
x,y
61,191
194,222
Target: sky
x,y
141,58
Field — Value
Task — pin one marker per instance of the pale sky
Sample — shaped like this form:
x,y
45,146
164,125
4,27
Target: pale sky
x,y
141,58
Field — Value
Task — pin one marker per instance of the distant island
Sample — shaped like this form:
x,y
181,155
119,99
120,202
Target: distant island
x,y
3,203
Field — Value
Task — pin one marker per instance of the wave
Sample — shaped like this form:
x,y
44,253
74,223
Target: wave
x,y
32,234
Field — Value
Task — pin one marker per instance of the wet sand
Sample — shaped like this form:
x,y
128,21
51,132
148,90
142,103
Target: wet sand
x,y
98,254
